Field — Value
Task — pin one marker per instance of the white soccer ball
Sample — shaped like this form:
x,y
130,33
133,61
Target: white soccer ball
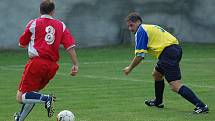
x,y
65,115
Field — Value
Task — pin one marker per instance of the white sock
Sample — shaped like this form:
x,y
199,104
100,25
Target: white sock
x,y
26,109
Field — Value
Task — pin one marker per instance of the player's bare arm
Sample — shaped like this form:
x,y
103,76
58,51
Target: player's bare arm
x,y
134,63
73,57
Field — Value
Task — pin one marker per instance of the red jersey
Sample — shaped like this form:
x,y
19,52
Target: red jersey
x,y
44,36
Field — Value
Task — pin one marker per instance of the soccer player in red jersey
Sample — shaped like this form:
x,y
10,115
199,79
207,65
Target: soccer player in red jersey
x,y
43,36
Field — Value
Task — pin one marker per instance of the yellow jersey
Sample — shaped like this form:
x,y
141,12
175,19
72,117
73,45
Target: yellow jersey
x,y
152,39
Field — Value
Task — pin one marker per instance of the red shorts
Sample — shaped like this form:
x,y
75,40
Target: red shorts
x,y
37,73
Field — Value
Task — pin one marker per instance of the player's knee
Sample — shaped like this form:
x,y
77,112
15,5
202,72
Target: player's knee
x,y
157,76
174,89
19,97
175,85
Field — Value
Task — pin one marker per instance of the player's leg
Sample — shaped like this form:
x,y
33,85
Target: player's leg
x,y
35,97
32,81
42,70
189,95
28,101
173,76
25,110
159,86
159,89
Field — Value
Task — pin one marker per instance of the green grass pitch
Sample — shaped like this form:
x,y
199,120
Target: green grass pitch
x,y
101,92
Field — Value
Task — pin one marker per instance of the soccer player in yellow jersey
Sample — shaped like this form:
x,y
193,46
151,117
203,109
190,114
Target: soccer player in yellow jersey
x,y
156,41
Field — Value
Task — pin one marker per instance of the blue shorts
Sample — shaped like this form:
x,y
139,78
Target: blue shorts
x,y
168,63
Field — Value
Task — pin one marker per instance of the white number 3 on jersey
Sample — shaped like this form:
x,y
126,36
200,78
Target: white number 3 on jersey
x,y
50,31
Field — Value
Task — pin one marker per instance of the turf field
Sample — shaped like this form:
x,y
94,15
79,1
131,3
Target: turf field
x,y
101,92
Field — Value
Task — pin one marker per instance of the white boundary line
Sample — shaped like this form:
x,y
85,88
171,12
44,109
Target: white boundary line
x,y
21,68
127,79
112,78
115,62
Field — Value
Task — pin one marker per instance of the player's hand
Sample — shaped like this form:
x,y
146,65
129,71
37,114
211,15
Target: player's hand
x,y
127,70
74,70
22,46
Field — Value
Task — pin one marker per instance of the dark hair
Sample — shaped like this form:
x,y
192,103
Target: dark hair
x,y
47,6
134,17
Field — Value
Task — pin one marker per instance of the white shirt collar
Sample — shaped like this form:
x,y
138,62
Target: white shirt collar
x,y
46,16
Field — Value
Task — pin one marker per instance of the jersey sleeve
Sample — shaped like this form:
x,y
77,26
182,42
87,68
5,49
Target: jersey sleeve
x,y
141,39
25,38
68,40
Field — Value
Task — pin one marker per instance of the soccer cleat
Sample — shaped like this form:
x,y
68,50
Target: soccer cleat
x,y
16,116
153,103
199,110
49,105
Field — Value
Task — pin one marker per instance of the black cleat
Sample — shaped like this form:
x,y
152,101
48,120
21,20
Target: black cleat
x,y
49,105
153,103
199,110
16,116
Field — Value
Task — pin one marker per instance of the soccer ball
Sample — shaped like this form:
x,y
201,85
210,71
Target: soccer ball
x,y
65,115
